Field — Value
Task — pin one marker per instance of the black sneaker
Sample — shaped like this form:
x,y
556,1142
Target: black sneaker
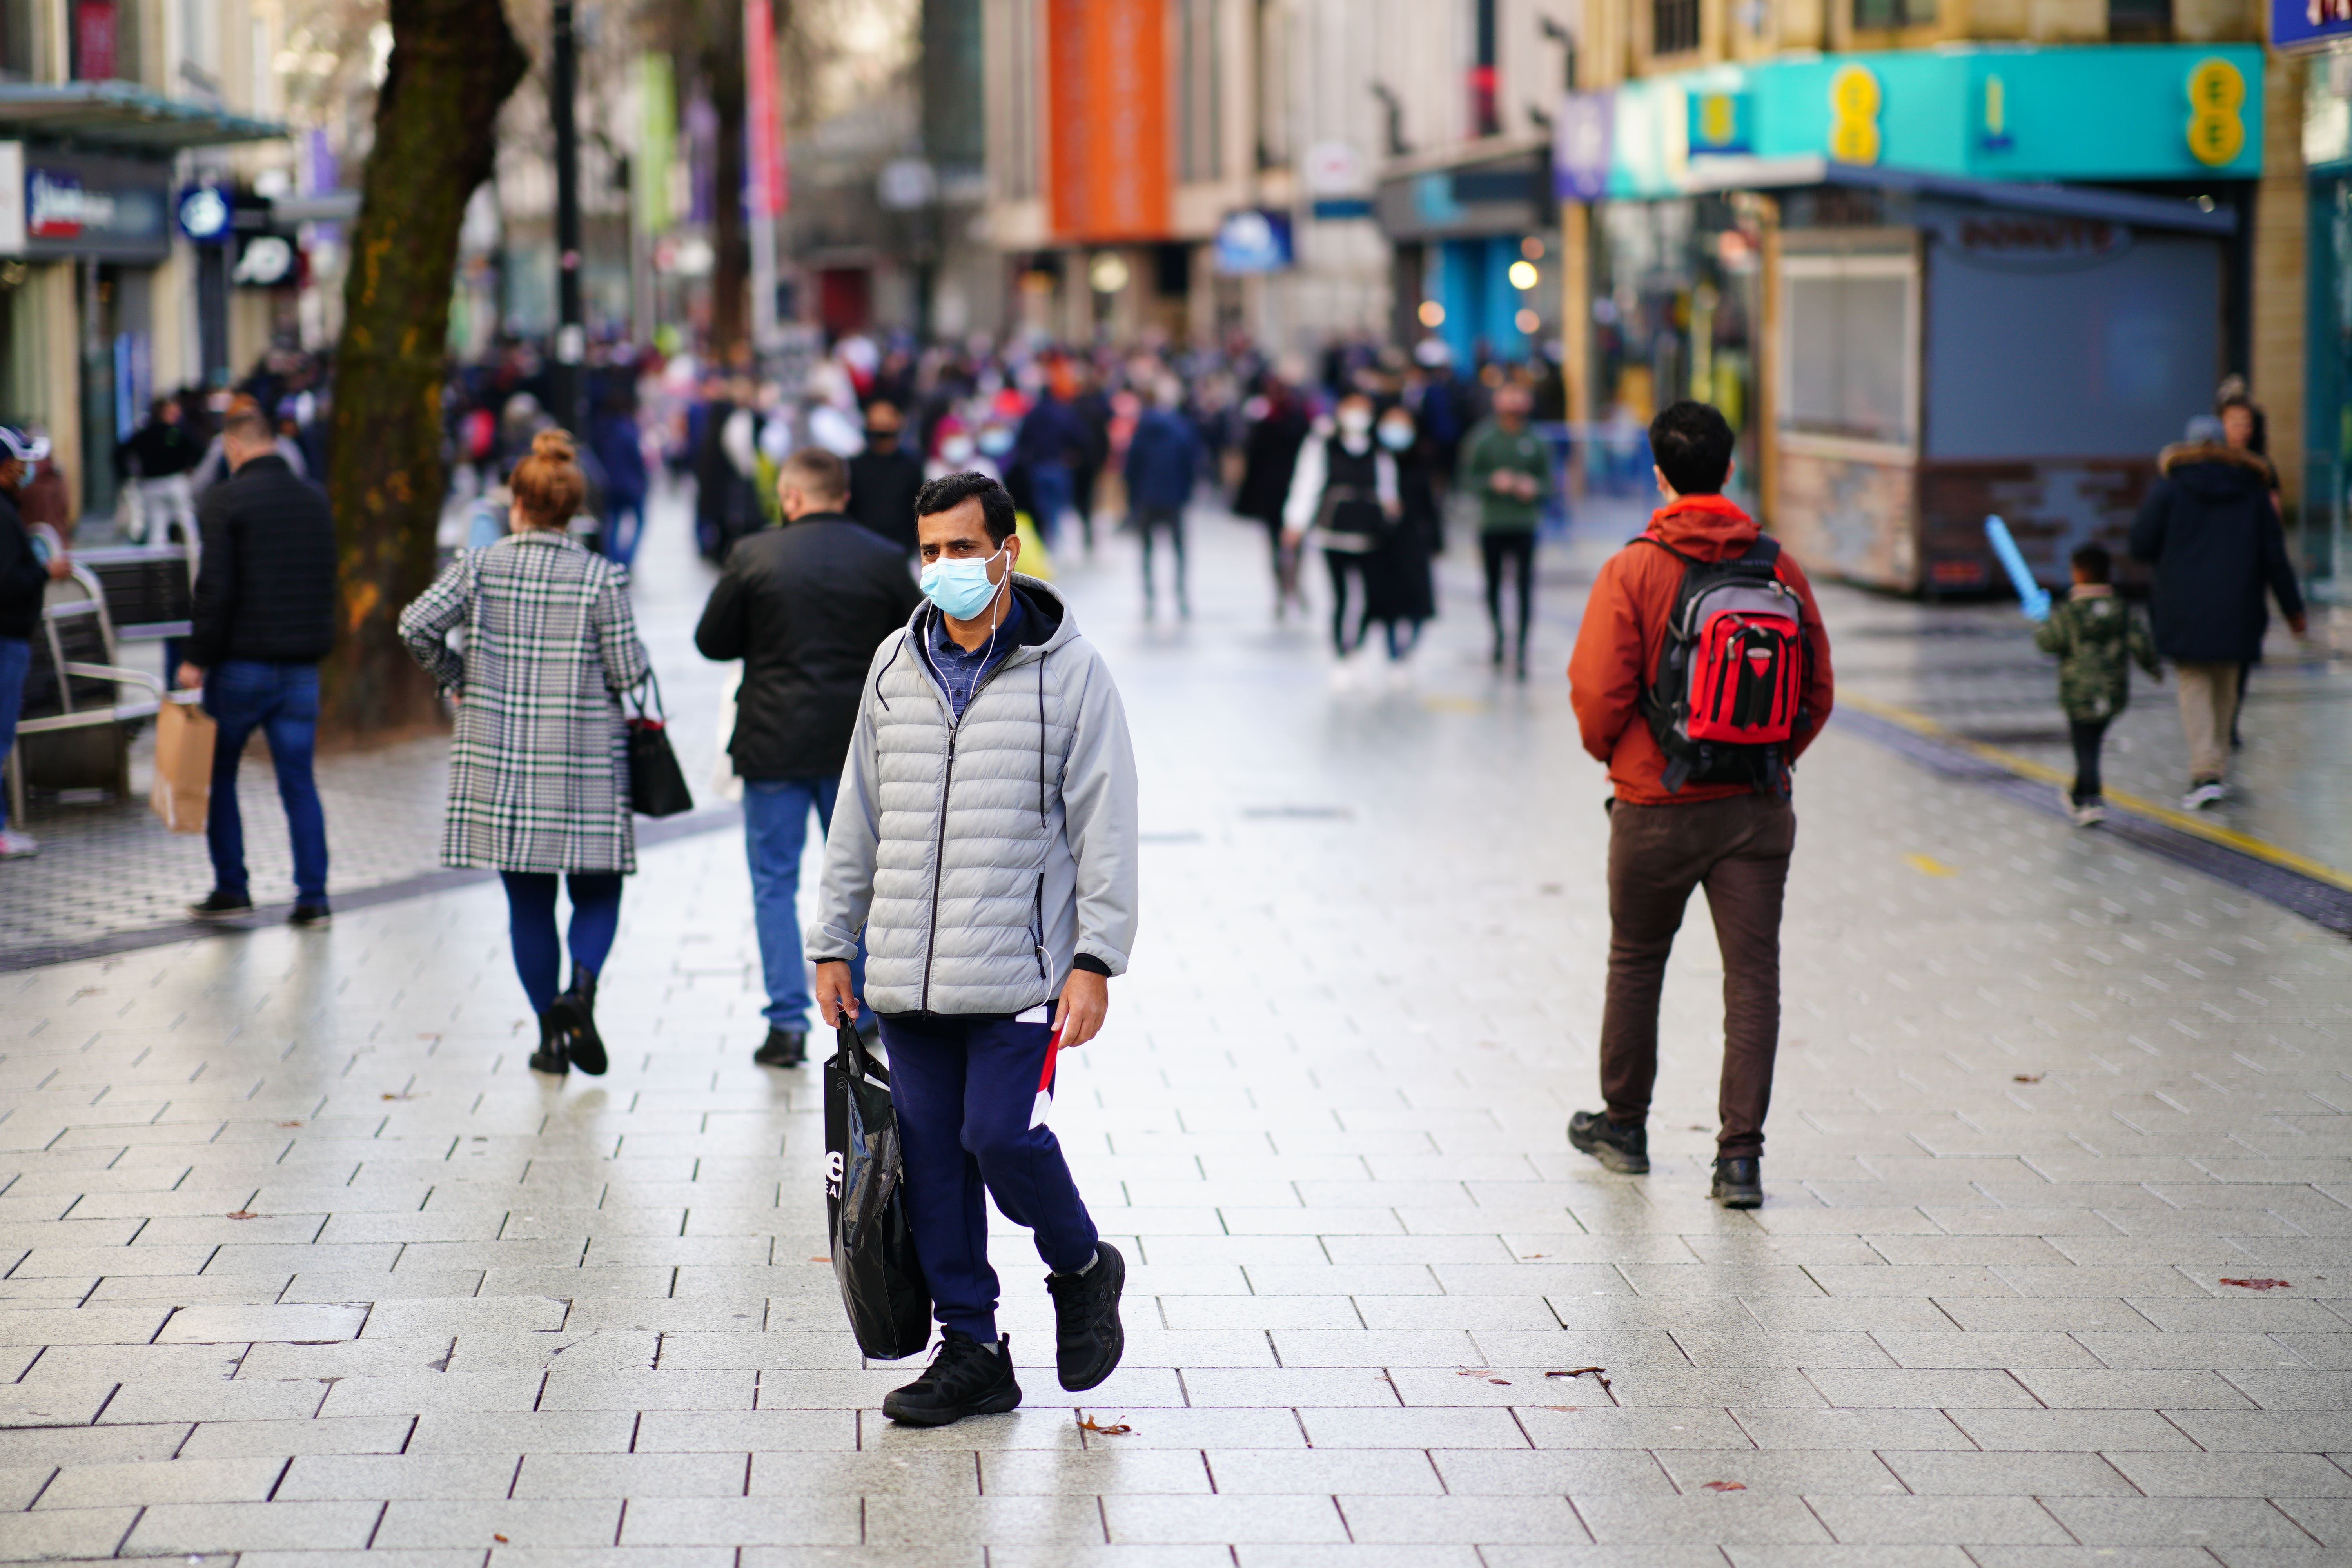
x,y
1739,1182
220,906
311,917
965,1378
783,1049
574,1013
549,1057
1087,1337
1623,1149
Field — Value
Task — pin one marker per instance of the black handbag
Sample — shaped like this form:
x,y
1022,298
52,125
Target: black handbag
x,y
657,784
882,1284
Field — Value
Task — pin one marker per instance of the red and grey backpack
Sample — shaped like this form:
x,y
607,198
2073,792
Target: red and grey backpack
x,y
1727,697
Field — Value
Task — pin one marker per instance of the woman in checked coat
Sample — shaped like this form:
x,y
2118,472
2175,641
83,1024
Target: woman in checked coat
x,y
539,778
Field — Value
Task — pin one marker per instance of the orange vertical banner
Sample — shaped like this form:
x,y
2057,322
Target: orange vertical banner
x,y
1106,105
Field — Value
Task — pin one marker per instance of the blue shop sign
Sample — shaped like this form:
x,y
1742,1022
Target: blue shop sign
x,y
2309,23
1255,240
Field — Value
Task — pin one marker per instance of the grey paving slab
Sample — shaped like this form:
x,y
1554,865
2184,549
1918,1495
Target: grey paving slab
x,y
593,1317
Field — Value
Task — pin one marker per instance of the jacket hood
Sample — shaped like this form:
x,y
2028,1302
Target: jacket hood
x,y
1705,528
2213,471
1045,622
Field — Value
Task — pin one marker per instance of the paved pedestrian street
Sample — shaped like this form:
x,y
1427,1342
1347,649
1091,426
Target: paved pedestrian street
x,y
303,1266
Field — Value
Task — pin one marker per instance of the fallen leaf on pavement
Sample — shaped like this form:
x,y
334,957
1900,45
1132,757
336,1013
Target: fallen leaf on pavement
x,y
1599,1372
820,1260
400,1096
245,1213
1505,1382
2027,1077
290,1124
1088,1425
498,1538
2257,1284
1727,1486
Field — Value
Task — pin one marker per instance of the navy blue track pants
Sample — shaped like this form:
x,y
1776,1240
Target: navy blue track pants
x,y
971,1094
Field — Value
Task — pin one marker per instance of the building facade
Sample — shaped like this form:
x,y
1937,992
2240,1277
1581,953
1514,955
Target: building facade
x,y
132,134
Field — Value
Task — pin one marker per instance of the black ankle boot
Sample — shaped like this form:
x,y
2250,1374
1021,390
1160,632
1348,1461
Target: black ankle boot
x,y
575,1013
549,1057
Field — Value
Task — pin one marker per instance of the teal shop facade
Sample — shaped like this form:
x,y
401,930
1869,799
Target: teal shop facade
x,y
1929,285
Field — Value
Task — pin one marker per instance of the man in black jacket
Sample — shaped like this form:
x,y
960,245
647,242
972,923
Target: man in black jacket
x,y
804,606
2212,533
24,586
264,617
883,477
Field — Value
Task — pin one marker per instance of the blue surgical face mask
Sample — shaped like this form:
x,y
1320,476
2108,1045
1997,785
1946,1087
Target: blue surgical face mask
x,y
961,588
1395,437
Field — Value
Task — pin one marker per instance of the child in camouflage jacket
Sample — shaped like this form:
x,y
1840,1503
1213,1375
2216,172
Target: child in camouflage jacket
x,y
2096,638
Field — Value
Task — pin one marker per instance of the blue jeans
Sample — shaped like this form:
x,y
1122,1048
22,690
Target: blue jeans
x,y
1053,492
281,700
775,828
623,528
16,659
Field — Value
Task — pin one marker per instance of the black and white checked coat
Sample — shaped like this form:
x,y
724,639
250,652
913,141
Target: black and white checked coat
x,y
538,772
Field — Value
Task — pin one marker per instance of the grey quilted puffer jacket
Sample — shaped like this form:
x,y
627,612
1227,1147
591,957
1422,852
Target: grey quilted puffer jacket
x,y
982,857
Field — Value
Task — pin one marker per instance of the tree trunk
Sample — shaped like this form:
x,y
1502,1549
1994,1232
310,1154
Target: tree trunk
x,y
453,64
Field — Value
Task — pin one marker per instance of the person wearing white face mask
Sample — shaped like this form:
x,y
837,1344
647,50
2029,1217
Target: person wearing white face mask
x,y
997,897
1344,490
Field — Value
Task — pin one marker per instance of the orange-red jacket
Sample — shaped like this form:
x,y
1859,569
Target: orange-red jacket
x,y
1624,628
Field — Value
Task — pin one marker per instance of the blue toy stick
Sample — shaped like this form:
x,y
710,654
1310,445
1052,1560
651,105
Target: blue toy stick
x,y
2031,597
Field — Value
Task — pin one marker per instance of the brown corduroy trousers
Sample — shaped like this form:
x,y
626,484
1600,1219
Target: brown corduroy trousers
x,y
1736,849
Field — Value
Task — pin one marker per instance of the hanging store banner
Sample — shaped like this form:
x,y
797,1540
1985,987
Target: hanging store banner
x,y
656,141
1106,105
1582,135
764,130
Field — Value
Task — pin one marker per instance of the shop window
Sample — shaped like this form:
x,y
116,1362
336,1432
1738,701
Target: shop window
x,y
2139,21
19,54
1850,360
1673,26
1869,14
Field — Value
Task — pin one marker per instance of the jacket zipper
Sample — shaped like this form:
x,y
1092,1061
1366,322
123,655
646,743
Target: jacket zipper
x,y
939,844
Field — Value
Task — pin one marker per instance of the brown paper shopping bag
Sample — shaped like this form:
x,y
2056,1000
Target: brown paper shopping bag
x,y
184,763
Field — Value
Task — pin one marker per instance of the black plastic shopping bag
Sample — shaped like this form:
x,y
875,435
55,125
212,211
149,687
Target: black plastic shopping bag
x,y
874,1258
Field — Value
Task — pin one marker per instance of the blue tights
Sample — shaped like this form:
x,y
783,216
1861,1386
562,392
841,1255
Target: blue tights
x,y
530,924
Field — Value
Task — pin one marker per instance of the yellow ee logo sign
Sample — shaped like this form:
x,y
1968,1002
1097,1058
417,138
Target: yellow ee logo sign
x,y
1717,122
1854,115
2217,91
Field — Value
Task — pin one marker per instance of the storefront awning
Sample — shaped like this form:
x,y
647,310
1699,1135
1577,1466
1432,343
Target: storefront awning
x,y
122,116
1744,174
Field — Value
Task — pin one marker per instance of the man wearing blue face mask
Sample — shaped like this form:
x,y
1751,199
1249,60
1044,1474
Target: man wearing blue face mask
x,y
997,896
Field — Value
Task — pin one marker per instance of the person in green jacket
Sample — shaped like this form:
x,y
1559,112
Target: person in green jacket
x,y
1508,467
2096,638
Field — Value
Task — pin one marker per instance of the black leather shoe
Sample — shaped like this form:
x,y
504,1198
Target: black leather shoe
x,y
1621,1149
311,917
549,1057
965,1378
1739,1182
574,1013
220,906
783,1049
1088,1339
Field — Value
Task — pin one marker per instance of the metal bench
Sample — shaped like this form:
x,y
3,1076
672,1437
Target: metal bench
x,y
81,707
149,591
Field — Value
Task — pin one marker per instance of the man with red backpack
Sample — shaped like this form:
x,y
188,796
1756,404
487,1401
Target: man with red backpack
x,y
1701,673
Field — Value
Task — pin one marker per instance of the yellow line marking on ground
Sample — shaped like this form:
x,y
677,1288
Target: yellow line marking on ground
x,y
1928,866
2027,768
